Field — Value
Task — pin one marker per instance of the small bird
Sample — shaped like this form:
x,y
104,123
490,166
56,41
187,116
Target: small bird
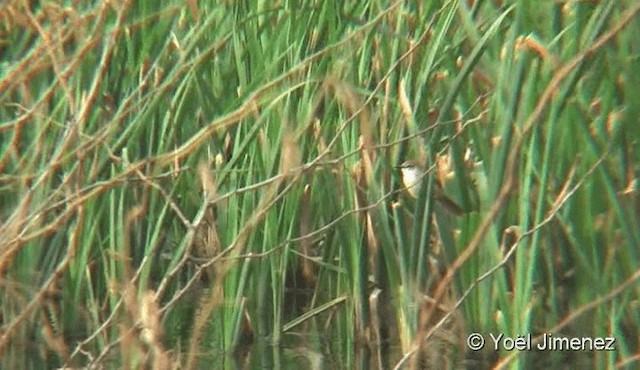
x,y
412,175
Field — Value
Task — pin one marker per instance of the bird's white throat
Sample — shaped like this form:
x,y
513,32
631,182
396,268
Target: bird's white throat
x,y
411,176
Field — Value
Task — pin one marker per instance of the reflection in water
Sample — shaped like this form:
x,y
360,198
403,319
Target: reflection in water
x,y
263,355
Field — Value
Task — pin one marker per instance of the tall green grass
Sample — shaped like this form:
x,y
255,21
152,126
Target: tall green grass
x,y
183,181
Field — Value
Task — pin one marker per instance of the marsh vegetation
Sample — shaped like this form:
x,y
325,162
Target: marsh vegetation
x,y
200,184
